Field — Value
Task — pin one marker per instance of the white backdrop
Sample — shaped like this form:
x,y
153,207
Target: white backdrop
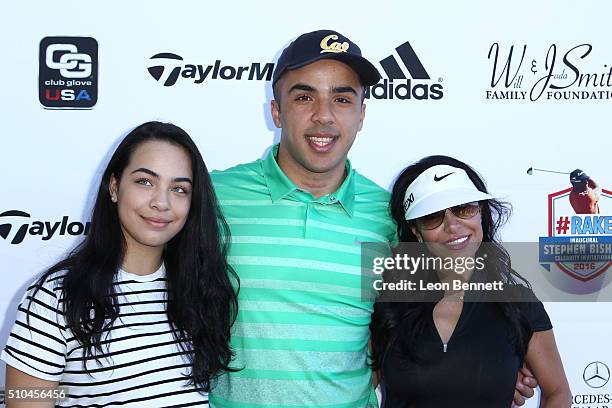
x,y
51,159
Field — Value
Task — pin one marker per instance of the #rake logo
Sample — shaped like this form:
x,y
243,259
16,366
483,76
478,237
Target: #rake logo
x,y
579,244
169,68
21,227
555,75
68,72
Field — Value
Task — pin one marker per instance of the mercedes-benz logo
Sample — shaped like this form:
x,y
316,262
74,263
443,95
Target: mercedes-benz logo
x,y
596,374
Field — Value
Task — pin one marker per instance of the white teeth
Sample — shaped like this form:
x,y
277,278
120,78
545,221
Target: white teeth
x,y
458,241
321,141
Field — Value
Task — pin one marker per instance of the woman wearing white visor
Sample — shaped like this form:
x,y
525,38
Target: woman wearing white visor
x,y
455,348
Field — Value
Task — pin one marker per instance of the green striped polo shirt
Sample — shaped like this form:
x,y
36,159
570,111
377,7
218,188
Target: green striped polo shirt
x,y
301,335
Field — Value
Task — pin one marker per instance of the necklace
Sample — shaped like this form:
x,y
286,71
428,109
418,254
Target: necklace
x,y
457,295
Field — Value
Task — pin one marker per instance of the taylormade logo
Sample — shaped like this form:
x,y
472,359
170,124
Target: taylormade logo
x,y
15,225
168,68
405,88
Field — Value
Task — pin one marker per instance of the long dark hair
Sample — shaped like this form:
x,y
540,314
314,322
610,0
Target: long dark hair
x,y
390,319
202,302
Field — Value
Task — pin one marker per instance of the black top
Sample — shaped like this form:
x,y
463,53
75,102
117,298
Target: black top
x,y
478,369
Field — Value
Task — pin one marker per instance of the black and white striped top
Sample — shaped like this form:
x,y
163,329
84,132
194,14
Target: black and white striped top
x,y
143,367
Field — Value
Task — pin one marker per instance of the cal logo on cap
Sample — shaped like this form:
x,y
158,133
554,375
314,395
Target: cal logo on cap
x,y
333,47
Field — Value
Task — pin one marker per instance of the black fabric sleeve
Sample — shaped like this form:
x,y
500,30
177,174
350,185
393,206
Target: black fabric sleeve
x,y
534,310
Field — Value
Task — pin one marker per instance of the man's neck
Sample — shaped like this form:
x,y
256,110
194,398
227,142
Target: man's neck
x,y
317,184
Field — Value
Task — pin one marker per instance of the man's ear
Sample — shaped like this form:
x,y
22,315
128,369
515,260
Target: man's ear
x,y
276,113
362,115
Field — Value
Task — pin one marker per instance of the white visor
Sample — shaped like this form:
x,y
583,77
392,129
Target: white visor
x,y
438,188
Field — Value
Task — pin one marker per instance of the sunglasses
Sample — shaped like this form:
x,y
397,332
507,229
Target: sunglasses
x,y
463,211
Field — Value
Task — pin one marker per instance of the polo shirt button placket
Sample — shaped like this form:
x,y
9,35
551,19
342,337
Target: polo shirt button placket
x,y
309,208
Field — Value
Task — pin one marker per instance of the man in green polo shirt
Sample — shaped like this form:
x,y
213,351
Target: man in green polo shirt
x,y
297,219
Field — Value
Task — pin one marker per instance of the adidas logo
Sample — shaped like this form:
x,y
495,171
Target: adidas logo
x,y
45,229
403,87
169,68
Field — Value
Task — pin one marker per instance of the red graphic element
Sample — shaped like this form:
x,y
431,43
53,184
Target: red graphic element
x,y
550,208
565,266
563,225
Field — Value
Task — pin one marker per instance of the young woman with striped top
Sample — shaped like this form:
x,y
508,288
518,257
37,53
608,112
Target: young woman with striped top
x,y
139,314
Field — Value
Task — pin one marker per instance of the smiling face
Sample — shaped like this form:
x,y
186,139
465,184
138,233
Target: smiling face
x,y
153,195
320,111
455,237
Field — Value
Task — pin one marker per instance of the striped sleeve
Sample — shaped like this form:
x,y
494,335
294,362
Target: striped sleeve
x,y
37,343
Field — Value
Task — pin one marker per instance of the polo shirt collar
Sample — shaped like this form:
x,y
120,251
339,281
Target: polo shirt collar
x,y
278,183
281,186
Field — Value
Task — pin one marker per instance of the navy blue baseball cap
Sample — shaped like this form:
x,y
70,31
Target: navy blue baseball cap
x,y
325,44
578,177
